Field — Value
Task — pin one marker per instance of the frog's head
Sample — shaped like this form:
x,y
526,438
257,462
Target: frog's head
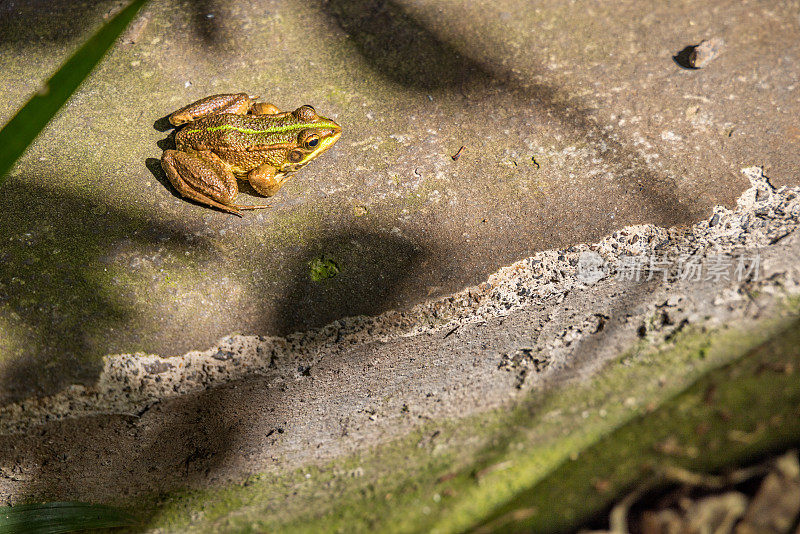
x,y
316,136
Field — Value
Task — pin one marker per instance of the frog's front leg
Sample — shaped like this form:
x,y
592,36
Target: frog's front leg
x,y
239,103
203,177
266,179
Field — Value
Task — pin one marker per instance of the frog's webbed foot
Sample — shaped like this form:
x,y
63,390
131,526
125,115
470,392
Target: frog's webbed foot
x,y
239,103
202,177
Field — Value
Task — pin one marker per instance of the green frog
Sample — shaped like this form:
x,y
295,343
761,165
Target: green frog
x,y
225,137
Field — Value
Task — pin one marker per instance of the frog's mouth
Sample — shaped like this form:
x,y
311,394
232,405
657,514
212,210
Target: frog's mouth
x,y
324,145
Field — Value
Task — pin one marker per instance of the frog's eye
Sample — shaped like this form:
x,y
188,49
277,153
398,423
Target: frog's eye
x,y
306,113
312,141
295,156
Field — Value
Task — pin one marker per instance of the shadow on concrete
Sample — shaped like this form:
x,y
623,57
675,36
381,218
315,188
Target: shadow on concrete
x,y
202,438
402,49
206,20
179,445
373,270
53,281
56,21
60,295
61,21
154,166
163,125
175,445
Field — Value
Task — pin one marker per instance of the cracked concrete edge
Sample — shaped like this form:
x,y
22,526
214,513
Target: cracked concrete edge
x,y
761,221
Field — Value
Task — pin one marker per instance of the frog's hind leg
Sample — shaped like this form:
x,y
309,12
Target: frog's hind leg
x,y
239,103
202,177
264,108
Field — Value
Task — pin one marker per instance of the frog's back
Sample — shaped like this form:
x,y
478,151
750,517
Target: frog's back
x,y
236,132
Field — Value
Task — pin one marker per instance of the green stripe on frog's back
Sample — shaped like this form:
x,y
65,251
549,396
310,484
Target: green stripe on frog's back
x,y
266,131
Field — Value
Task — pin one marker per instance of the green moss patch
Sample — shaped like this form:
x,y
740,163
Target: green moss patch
x,y
322,268
731,416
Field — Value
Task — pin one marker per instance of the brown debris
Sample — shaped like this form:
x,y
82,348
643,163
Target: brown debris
x,y
706,504
705,52
776,505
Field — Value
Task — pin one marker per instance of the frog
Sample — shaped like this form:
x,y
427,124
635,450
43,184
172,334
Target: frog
x,y
225,137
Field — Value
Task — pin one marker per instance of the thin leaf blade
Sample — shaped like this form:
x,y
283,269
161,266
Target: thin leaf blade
x,y
29,121
58,517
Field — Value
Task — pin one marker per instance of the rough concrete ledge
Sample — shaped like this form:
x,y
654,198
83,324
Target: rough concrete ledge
x,y
576,318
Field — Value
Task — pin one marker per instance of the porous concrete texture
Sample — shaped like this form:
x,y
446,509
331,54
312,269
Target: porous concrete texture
x,y
101,257
754,246
130,316
270,406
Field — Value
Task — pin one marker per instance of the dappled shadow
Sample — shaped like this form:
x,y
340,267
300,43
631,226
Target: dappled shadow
x,y
59,296
212,438
206,20
61,21
177,444
219,435
399,47
57,299
402,49
56,21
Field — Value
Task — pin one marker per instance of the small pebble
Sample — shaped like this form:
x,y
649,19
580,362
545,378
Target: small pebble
x,y
706,51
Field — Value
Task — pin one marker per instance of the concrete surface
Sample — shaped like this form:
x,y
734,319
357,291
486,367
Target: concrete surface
x,y
576,122
102,257
283,408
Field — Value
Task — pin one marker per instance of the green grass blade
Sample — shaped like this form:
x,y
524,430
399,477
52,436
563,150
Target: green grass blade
x,y
23,128
56,517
